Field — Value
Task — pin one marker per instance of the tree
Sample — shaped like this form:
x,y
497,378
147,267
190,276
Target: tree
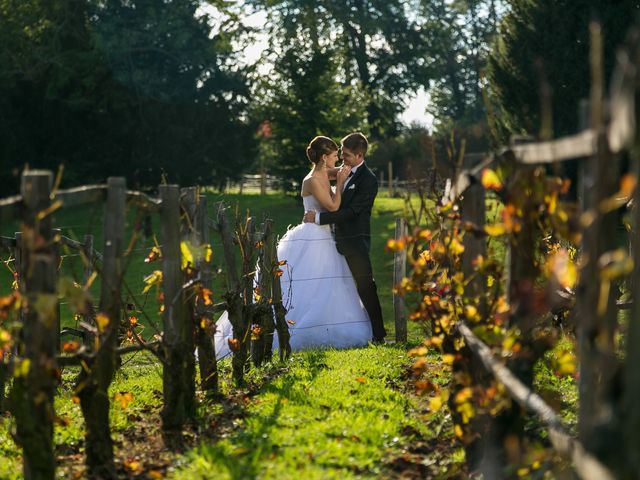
x,y
302,96
377,43
459,34
544,47
111,87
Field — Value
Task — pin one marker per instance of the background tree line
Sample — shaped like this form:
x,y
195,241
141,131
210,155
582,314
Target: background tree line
x,y
146,88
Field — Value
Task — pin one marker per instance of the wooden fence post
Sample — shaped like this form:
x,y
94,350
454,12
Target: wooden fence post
x,y
178,373
34,388
390,178
206,327
595,298
93,386
474,211
399,272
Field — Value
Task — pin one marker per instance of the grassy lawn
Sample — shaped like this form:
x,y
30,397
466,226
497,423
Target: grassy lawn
x,y
322,414
331,414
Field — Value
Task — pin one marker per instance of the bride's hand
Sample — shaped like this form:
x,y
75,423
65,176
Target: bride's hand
x,y
343,174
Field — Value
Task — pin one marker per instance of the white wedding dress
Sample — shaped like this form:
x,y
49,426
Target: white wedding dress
x,y
318,291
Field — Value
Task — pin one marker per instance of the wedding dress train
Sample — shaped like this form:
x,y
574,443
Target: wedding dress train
x,y
318,291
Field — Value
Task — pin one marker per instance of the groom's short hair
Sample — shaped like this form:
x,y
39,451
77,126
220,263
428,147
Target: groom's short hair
x,y
356,142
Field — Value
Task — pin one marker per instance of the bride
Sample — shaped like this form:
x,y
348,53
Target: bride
x,y
318,290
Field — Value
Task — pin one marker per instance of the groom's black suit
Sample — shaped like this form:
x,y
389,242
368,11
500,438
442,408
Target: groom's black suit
x,y
353,239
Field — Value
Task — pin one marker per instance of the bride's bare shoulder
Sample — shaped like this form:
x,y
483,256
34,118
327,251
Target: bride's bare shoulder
x,y
311,182
307,185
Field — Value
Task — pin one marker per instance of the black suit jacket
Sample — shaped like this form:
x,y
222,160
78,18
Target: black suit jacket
x,y
353,219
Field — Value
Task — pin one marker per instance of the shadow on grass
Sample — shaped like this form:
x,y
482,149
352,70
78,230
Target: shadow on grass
x,y
243,453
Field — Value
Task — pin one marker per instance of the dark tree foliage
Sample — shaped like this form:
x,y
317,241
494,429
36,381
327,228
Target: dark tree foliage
x,y
547,42
458,35
135,88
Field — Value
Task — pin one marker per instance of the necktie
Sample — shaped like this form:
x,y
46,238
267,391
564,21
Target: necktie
x,y
348,180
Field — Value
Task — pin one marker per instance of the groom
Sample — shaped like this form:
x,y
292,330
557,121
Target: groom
x,y
352,226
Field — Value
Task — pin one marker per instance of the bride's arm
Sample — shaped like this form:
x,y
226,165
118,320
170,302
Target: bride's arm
x,y
322,192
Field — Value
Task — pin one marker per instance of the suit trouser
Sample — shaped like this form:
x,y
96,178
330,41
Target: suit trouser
x,y
360,266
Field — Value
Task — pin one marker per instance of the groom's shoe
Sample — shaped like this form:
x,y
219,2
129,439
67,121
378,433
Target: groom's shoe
x,y
378,341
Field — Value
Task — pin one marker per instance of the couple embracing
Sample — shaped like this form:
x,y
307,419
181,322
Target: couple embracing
x,y
327,285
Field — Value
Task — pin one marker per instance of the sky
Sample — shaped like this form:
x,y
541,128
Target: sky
x,y
416,104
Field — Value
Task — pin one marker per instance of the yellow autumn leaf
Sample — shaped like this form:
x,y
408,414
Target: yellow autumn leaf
x,y
187,254
435,404
470,312
124,398
5,336
463,395
448,358
425,235
495,229
102,320
22,368
395,245
566,363
458,431
132,465
208,253
490,180
466,411
418,352
456,247
152,279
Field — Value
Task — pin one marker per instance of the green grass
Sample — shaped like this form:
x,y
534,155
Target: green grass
x,y
322,414
332,414
141,376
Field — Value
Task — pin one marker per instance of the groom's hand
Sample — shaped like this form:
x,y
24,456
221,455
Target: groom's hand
x,y
309,217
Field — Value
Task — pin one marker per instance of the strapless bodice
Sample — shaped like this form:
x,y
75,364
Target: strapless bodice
x,y
310,203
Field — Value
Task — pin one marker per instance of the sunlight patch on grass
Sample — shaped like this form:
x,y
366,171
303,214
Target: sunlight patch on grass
x,y
333,414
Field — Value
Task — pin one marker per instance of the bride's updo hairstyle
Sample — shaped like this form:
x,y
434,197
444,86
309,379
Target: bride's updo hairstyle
x,y
320,146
